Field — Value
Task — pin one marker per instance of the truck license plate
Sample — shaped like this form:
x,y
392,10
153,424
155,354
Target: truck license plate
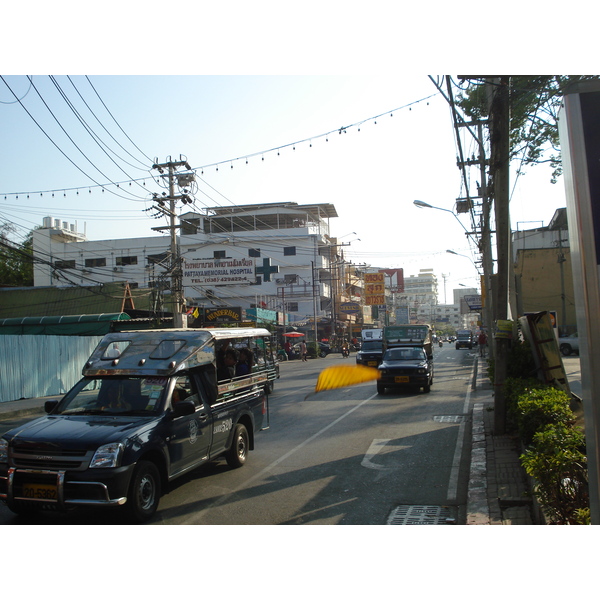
x,y
401,379
371,363
39,491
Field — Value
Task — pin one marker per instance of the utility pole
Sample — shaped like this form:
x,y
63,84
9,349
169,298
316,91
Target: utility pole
x,y
176,271
484,244
499,142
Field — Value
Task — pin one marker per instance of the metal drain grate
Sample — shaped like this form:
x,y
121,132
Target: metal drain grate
x,y
421,515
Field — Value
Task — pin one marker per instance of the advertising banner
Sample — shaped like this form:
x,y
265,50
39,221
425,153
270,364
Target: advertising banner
x,y
350,308
374,289
217,271
224,314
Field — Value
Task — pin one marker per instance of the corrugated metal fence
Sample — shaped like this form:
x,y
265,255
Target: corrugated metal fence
x,y
33,366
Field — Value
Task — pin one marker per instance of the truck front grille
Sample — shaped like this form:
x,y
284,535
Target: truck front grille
x,y
55,460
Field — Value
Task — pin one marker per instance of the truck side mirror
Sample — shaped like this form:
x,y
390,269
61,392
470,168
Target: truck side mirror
x,y
50,405
184,407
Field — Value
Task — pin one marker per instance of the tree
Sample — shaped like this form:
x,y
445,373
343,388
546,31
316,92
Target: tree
x,y
534,101
16,261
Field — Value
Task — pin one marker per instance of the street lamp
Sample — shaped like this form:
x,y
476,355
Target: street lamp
x,y
421,204
464,256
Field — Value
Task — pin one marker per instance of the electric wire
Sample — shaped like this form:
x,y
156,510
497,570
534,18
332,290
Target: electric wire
x,y
92,134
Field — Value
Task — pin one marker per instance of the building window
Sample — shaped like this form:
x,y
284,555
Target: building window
x,y
289,251
65,264
292,307
95,262
254,252
290,279
219,254
155,259
121,261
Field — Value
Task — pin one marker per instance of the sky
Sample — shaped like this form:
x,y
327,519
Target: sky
x,y
328,104
225,80
368,144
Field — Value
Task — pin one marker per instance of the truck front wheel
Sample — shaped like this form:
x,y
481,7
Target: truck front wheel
x,y
238,453
144,492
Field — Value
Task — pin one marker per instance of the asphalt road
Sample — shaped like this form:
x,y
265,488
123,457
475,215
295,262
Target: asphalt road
x,y
347,456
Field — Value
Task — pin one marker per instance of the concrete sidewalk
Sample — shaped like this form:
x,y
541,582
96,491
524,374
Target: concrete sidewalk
x,y
498,492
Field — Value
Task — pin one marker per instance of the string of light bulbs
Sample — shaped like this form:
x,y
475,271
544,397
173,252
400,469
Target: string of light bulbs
x,y
230,161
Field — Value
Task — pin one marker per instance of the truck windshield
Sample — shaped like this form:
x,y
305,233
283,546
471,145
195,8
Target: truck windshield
x,y
115,395
371,346
405,354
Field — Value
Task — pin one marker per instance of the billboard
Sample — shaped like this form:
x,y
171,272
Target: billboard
x,y
374,289
217,271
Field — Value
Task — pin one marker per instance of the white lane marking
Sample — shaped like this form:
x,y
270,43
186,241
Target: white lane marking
x,y
197,516
374,448
453,482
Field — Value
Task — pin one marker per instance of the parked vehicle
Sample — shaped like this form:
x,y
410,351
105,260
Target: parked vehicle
x,y
151,406
569,344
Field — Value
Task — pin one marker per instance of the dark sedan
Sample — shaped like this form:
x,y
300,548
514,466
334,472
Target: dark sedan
x,y
405,367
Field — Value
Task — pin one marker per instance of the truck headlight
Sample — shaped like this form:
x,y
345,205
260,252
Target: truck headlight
x,y
107,456
3,451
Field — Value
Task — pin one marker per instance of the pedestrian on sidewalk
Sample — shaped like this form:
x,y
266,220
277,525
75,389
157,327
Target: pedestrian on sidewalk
x,y
482,341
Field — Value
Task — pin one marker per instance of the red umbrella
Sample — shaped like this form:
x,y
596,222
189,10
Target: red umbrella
x,y
293,334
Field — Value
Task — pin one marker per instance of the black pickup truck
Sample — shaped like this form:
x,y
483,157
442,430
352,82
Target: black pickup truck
x,y
148,409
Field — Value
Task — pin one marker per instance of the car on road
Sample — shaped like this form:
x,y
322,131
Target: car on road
x,y
569,344
405,367
464,339
370,354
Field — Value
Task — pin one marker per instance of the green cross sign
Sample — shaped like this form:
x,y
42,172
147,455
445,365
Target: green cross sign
x,y
267,269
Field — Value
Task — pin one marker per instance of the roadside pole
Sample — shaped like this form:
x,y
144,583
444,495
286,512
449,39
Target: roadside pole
x,y
499,142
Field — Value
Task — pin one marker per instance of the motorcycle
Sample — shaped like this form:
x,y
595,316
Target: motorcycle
x,y
441,344
345,352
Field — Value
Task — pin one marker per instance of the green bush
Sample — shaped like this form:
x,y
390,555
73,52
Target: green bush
x,y
557,462
555,454
538,407
514,388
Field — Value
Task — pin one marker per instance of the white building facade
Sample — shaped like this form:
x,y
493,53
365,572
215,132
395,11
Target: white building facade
x,y
274,256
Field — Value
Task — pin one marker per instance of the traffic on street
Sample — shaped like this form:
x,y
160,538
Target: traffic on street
x,y
347,456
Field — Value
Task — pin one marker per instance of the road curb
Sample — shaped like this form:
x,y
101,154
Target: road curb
x,y
478,512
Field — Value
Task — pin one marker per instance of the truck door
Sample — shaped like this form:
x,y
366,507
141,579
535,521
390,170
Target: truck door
x,y
190,435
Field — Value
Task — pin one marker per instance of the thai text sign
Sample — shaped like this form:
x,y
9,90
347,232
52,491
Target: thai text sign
x,y
217,271
350,308
374,289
